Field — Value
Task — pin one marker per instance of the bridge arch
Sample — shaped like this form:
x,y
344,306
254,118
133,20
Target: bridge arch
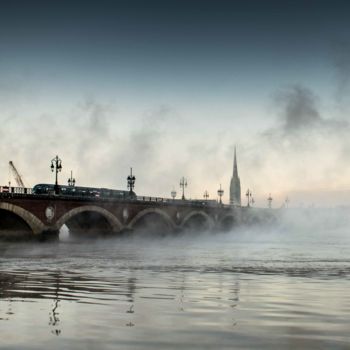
x,y
148,211
228,222
270,219
113,221
31,220
254,220
198,213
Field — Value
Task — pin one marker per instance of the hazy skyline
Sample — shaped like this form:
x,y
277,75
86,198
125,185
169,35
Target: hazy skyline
x,y
169,87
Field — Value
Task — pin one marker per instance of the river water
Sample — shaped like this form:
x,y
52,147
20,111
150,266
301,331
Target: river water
x,y
273,288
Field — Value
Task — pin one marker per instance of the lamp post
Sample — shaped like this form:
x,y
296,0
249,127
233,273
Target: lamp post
x,y
131,182
173,194
249,196
220,194
206,195
287,202
269,201
71,180
56,166
183,184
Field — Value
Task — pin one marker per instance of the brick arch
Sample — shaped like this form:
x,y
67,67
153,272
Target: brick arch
x,y
31,220
254,219
270,219
112,220
235,220
144,212
234,217
209,219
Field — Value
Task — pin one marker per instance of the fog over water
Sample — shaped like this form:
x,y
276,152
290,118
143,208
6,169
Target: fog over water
x,y
280,287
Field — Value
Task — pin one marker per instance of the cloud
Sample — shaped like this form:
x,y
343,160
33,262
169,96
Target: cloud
x,y
303,150
100,144
300,119
299,110
98,117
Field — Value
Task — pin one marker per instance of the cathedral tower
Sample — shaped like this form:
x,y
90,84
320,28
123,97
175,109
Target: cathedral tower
x,y
235,186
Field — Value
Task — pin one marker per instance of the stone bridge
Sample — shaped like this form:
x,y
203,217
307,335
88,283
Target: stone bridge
x,y
45,215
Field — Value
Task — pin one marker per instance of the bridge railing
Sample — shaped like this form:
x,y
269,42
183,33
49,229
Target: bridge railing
x,y
198,203
150,199
9,190
16,190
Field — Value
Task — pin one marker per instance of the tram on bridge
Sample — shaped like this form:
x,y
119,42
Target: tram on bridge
x,y
79,191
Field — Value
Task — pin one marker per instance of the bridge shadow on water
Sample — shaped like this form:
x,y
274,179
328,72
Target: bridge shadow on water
x,y
88,225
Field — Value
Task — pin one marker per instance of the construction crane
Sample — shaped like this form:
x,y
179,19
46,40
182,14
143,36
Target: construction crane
x,y
16,175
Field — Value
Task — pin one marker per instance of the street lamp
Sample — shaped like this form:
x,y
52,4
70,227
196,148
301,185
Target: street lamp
x,y
131,182
173,194
220,194
269,201
71,180
56,166
183,184
206,195
287,202
249,196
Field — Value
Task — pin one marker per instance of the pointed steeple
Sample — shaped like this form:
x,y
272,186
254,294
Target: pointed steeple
x,y
235,169
235,186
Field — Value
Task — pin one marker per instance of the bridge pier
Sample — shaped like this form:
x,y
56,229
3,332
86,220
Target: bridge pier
x,y
48,235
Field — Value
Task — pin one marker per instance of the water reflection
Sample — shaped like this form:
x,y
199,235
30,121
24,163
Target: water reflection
x,y
179,294
53,316
58,287
187,294
69,286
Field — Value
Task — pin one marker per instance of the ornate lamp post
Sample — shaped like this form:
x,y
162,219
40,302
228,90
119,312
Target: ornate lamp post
x,y
220,194
131,182
249,196
71,180
183,184
56,166
287,202
173,194
269,201
206,195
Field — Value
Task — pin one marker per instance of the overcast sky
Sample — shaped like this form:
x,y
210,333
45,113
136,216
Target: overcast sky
x,y
169,87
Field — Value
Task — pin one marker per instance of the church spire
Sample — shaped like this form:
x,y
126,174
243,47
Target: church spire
x,y
235,169
235,186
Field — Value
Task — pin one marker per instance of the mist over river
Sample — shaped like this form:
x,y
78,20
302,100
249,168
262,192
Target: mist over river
x,y
281,287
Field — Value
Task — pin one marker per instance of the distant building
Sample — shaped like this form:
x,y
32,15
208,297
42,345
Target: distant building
x,y
235,186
